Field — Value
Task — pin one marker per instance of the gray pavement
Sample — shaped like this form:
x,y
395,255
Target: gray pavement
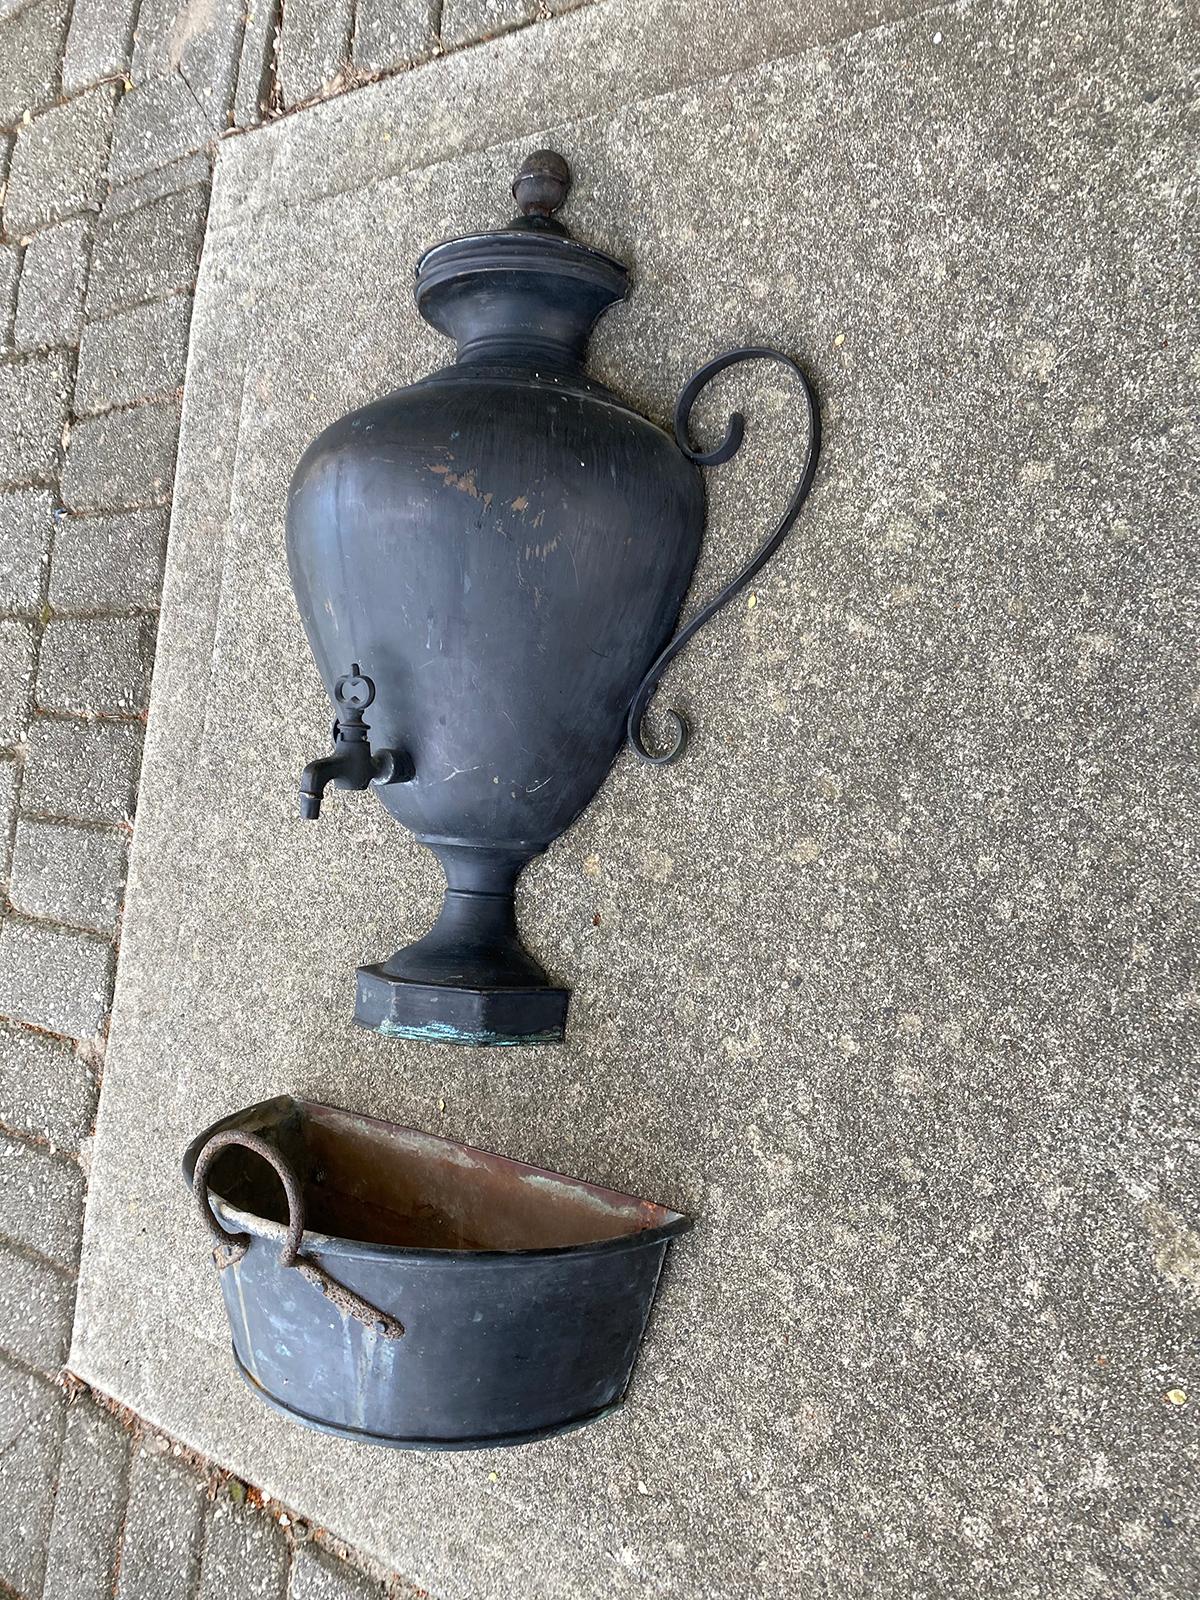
x,y
888,983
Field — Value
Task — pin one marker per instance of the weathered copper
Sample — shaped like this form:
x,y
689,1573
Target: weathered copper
x,y
445,1297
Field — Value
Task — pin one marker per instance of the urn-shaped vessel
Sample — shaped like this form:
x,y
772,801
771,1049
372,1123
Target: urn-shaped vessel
x,y
489,565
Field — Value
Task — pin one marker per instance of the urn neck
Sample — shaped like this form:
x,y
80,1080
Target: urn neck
x,y
523,298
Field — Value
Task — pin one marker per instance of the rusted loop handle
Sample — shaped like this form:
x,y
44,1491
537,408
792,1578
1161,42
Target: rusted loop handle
x,y
231,1247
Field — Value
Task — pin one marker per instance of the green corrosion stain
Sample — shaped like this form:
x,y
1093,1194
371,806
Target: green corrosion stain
x,y
447,1033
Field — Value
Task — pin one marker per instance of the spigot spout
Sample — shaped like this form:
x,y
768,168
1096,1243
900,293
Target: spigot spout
x,y
315,779
353,764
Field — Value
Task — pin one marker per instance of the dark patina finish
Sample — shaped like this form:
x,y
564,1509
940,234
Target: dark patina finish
x,y
493,561
407,1290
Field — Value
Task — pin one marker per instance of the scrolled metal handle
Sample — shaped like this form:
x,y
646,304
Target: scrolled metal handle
x,y
231,1247
734,434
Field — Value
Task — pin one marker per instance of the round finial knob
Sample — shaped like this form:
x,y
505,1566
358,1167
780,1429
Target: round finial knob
x,y
541,183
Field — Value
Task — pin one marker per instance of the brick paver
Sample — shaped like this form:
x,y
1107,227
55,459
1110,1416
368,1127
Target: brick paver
x,y
35,1311
41,1200
26,525
465,20
83,770
95,666
163,1532
156,122
32,1413
54,979
17,657
316,1576
10,267
133,354
314,47
33,410
89,1508
47,1089
146,252
10,773
388,33
99,44
122,458
106,142
246,1556
53,275
29,59
65,873
109,562
256,76
57,164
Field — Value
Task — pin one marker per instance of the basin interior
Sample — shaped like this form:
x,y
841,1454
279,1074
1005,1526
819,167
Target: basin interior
x,y
377,1183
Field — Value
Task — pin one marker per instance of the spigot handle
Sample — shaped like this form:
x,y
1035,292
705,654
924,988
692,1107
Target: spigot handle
x,y
354,692
728,447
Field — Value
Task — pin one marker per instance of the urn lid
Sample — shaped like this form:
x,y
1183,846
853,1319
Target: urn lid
x,y
528,288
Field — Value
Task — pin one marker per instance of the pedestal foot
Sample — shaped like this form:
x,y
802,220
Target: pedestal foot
x,y
451,1014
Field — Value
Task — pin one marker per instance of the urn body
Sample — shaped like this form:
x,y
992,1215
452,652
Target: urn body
x,y
486,563
504,552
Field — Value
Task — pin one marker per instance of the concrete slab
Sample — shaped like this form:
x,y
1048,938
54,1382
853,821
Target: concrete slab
x,y
891,977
